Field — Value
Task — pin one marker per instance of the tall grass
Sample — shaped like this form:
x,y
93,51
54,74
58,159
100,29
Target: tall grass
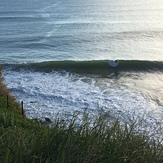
x,y
66,141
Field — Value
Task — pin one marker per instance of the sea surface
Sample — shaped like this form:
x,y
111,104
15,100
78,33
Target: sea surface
x,y
55,56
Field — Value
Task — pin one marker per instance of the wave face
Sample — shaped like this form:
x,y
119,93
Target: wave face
x,y
93,67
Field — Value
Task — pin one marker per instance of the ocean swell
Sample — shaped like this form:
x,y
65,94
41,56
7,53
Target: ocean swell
x,y
93,67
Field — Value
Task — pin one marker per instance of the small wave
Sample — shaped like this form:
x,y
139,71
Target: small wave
x,y
20,18
18,12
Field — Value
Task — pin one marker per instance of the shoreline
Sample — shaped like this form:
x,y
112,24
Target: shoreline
x,y
39,141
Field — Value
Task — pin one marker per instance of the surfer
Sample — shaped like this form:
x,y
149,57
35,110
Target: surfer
x,y
114,65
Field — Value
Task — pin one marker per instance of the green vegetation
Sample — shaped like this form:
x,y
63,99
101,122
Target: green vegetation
x,y
102,141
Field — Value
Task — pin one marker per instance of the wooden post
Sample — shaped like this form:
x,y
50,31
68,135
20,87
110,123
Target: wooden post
x,y
22,109
7,102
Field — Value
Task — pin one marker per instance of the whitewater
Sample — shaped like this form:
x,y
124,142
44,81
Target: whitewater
x,y
55,58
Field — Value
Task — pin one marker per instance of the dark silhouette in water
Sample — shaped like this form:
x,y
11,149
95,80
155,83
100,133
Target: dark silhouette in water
x,y
114,65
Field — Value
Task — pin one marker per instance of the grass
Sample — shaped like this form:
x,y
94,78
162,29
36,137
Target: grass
x,y
99,140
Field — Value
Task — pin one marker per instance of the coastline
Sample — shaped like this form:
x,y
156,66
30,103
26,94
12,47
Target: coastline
x,y
25,140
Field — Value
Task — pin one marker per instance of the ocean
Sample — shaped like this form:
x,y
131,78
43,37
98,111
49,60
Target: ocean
x,y
55,56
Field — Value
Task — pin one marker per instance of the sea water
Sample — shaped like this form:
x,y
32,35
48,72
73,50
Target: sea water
x,y
39,39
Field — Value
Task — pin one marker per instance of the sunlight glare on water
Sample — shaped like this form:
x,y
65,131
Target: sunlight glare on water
x,y
81,30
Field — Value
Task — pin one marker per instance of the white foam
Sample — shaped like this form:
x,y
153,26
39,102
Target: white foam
x,y
47,94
